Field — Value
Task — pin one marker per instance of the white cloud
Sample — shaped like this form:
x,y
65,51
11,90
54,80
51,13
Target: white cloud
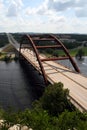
x,y
50,16
59,6
81,12
15,6
1,4
12,10
81,8
18,3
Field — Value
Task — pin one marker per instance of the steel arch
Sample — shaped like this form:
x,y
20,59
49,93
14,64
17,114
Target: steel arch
x,y
37,54
47,37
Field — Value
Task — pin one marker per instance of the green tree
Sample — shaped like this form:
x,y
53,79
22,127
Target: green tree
x,y
55,53
80,54
54,99
49,50
72,120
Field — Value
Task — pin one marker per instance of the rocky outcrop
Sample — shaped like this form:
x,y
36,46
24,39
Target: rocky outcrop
x,y
19,127
14,127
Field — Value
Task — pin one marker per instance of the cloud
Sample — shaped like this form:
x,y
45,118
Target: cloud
x,y
1,4
12,10
81,12
14,7
81,8
19,3
59,6
62,16
49,16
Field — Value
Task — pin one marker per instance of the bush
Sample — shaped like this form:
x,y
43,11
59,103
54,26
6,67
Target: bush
x,y
54,99
80,54
72,120
55,53
6,58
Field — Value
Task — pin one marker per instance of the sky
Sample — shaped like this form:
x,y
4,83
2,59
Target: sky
x,y
45,16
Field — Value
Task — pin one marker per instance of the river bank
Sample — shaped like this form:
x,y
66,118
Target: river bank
x,y
73,52
7,56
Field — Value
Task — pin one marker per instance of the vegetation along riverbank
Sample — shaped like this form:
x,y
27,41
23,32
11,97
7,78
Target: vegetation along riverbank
x,y
7,56
53,111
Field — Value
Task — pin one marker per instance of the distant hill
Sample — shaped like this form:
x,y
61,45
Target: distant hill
x,y
69,40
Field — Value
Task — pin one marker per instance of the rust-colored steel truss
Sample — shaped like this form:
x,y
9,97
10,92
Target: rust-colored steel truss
x,y
55,43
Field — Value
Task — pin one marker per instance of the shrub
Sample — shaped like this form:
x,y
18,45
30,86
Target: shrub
x,y
54,99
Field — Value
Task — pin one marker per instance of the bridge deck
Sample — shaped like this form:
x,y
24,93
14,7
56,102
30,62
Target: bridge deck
x,y
76,83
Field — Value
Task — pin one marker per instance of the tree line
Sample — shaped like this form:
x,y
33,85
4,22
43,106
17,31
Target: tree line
x,y
3,39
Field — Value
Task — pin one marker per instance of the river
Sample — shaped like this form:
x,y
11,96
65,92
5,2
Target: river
x,y
82,64
20,84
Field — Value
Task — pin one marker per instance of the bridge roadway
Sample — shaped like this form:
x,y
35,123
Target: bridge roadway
x,y
76,83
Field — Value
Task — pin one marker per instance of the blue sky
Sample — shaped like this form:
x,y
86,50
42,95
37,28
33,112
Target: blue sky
x,y
49,16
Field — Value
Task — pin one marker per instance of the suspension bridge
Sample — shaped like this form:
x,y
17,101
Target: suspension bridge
x,y
30,48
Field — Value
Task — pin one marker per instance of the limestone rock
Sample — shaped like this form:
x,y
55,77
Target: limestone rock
x,y
19,127
1,123
24,128
15,127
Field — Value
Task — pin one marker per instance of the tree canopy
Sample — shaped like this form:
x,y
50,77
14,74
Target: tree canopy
x,y
54,99
80,54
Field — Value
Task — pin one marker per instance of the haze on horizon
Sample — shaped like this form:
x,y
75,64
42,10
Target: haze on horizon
x,y
48,16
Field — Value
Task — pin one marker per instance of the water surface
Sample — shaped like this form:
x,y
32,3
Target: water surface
x,y
82,64
18,85
21,84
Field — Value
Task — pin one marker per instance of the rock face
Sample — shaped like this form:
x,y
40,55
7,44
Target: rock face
x,y
15,127
25,128
19,127
1,123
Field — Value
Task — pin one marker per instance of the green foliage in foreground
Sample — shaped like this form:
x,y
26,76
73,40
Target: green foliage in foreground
x,y
54,99
41,116
41,120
